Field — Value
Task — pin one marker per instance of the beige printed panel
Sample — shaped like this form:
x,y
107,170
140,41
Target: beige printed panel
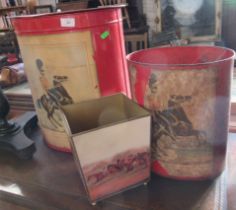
x,y
104,143
184,108
115,157
199,86
68,55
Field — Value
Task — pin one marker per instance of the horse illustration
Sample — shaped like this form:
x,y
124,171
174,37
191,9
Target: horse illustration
x,y
125,164
55,95
97,177
129,163
62,95
50,106
173,121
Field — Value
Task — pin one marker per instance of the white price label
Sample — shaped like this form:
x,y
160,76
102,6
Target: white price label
x,y
67,22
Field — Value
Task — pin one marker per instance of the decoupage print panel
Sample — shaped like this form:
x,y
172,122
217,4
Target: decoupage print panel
x,y
114,157
61,70
182,103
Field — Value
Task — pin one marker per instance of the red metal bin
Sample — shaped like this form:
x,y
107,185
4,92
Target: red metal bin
x,y
187,90
71,57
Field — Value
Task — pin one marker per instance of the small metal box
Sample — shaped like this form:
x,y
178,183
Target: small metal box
x,y
110,138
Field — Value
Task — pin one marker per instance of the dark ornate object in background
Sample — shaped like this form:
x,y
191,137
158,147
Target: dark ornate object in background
x,y
191,20
9,47
13,135
137,18
5,126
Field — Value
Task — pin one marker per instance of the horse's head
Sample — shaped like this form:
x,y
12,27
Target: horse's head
x,y
60,79
177,100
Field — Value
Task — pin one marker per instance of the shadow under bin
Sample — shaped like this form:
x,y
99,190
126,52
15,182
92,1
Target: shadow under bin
x,y
110,140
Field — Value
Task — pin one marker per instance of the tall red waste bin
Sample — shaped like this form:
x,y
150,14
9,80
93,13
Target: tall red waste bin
x,y
71,57
187,90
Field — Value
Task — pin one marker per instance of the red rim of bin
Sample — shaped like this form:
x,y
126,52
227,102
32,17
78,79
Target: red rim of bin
x,y
219,54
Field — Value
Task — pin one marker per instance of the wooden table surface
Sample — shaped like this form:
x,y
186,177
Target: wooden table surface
x,y
50,181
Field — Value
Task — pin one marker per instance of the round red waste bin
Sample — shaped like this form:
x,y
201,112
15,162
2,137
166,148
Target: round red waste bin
x,y
70,57
187,90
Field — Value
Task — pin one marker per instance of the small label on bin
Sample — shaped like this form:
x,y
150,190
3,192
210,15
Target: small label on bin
x,y
67,22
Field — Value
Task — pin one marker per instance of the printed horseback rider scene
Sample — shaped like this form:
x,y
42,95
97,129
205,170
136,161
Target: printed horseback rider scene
x,y
54,95
173,121
181,140
61,70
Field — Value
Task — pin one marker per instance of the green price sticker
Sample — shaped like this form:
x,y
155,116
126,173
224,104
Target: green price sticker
x,y
105,34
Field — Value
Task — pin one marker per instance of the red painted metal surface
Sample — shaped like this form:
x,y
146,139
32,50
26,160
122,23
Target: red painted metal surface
x,y
106,38
159,61
51,22
109,51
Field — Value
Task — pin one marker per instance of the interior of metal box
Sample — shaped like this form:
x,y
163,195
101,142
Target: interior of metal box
x,y
96,113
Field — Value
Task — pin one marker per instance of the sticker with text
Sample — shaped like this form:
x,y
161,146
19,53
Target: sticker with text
x,y
67,22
